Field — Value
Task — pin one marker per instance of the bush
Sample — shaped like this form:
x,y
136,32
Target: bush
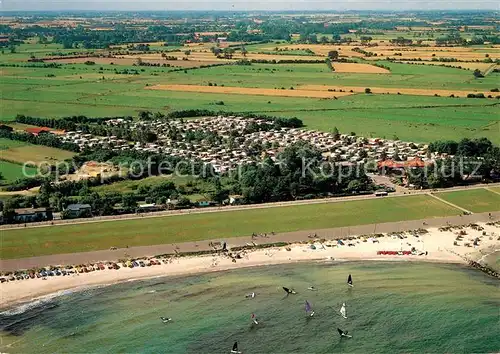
x,y
368,90
476,95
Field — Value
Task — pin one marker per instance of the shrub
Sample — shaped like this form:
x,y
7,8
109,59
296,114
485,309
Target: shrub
x,y
368,90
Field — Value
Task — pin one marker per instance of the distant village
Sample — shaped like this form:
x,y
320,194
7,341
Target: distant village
x,y
227,142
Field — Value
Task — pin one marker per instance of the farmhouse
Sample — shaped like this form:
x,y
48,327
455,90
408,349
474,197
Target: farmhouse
x,y
37,130
78,210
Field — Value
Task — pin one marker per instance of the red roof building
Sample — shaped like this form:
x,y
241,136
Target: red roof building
x,y
37,131
415,163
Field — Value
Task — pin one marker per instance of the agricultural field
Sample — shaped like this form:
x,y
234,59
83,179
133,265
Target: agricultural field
x,y
79,89
194,189
409,100
12,171
476,200
250,91
197,227
34,154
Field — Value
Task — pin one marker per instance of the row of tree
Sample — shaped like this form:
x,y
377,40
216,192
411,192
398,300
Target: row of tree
x,y
46,139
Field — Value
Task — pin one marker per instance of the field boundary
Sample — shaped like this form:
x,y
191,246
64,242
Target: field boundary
x,y
449,203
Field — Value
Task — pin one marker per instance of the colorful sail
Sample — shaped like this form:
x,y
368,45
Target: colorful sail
x,y
309,309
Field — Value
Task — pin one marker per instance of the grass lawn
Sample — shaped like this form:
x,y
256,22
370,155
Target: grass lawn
x,y
12,171
495,189
195,227
475,200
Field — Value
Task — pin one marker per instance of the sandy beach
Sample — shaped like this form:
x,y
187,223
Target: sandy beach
x,y
434,246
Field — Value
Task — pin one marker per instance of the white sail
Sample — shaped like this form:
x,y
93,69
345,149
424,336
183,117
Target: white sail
x,y
342,311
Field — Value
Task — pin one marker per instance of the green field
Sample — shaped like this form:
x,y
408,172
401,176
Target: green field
x,y
495,189
78,89
196,227
475,200
193,189
8,144
12,171
35,154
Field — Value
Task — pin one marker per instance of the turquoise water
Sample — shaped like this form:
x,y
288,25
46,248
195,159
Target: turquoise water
x,y
393,308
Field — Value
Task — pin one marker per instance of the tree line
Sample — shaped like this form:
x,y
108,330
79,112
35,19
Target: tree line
x,y
45,139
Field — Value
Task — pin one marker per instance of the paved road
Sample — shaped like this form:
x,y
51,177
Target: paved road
x,y
235,208
297,236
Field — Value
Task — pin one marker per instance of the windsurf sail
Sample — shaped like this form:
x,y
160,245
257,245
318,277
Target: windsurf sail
x,y
254,319
235,349
343,334
224,247
349,280
342,311
309,309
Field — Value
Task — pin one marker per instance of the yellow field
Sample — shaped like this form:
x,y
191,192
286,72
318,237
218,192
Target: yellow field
x,y
385,50
250,91
429,54
358,68
403,91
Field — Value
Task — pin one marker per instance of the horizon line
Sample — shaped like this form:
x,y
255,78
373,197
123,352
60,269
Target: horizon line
x,y
259,10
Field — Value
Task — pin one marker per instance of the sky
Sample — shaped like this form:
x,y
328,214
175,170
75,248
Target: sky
x,y
247,5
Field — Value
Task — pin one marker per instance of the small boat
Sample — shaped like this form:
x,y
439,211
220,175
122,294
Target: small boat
x,y
309,310
166,319
342,311
312,288
250,296
254,319
349,281
343,334
289,291
235,349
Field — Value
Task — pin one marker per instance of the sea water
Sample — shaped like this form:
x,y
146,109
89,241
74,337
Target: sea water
x,y
394,307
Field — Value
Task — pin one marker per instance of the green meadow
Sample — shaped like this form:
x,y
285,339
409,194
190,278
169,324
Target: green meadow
x,y
96,90
196,227
12,171
475,200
